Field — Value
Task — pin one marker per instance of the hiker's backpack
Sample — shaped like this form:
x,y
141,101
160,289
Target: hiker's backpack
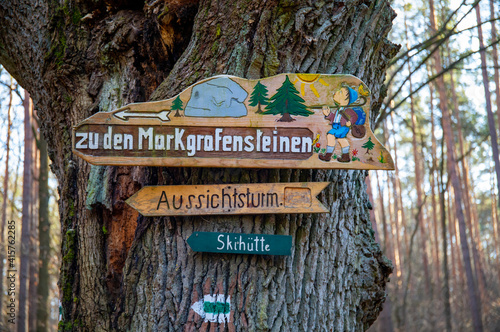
x,y
358,119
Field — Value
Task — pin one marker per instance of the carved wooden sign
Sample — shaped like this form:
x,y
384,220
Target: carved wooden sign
x,y
284,121
255,198
233,243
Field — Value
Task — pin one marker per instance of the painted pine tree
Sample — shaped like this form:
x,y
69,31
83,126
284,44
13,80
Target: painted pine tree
x,y
259,96
286,101
369,145
177,106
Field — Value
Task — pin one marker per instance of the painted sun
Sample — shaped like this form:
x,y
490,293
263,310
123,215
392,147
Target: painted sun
x,y
309,80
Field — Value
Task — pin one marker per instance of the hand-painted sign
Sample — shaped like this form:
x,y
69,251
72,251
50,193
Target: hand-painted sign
x,y
284,121
233,243
253,198
214,308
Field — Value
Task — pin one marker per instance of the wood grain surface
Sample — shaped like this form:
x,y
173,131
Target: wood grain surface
x,y
230,132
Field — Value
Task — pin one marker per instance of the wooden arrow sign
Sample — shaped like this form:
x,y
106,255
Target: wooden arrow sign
x,y
233,243
284,121
255,198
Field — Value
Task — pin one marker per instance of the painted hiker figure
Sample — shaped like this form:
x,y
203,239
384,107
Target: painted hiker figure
x,y
341,123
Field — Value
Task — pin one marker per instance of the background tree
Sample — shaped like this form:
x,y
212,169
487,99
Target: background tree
x,y
26,221
121,271
43,289
5,198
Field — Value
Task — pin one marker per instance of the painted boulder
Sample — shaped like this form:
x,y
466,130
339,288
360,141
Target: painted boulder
x,y
220,97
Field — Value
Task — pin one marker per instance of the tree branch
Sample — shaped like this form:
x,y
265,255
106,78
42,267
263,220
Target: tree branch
x,y
24,39
384,113
430,42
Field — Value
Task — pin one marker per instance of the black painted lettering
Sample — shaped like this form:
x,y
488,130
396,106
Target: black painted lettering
x,y
163,195
272,197
199,201
189,201
242,202
180,204
224,195
212,201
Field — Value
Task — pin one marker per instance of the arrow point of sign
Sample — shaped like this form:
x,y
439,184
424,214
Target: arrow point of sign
x,y
131,202
191,240
163,115
316,189
121,115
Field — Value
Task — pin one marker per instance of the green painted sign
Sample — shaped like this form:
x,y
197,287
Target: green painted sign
x,y
235,243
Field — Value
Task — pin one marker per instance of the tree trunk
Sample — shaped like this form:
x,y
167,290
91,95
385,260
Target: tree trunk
x,y
475,303
468,201
487,95
494,55
455,271
418,177
444,248
286,118
398,208
384,322
373,219
122,271
43,307
26,219
432,176
495,219
383,218
33,268
4,203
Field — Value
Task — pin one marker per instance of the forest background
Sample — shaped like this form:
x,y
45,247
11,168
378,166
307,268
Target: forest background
x,y
436,216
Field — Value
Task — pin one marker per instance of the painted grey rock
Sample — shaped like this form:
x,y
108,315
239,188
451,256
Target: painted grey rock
x,y
220,97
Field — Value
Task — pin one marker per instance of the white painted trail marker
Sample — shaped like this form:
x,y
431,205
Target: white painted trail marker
x,y
214,308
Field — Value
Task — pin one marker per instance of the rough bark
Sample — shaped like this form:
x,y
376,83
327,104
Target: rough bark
x,y
383,217
371,200
121,271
